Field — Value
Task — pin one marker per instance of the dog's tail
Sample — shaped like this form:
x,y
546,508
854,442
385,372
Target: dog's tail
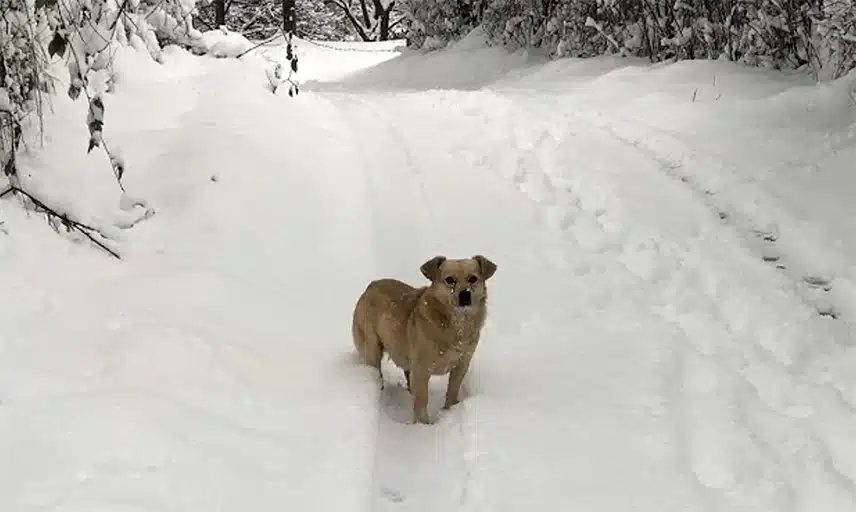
x,y
366,340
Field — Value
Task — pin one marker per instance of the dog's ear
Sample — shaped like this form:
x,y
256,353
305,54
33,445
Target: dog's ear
x,y
431,268
486,267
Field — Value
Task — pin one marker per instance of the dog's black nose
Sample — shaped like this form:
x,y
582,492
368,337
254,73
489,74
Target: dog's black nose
x,y
465,298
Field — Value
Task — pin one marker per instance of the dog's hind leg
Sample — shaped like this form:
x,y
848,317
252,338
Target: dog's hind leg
x,y
407,378
369,348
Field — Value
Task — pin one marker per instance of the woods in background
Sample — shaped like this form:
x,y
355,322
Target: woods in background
x,y
815,35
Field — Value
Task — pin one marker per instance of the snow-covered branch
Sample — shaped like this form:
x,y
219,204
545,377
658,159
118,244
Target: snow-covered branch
x,y
85,34
812,35
262,19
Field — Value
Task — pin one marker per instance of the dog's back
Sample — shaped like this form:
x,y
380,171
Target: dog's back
x,y
380,318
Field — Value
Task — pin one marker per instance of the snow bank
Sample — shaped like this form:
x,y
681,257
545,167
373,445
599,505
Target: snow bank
x,y
186,376
224,43
466,64
771,152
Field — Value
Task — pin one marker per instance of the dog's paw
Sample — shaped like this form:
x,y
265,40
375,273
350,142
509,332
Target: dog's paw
x,y
422,420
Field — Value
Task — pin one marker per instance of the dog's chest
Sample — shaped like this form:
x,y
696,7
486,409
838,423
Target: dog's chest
x,y
445,361
459,345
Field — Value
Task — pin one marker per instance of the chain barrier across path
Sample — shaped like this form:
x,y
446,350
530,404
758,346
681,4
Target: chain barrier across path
x,y
320,44
369,50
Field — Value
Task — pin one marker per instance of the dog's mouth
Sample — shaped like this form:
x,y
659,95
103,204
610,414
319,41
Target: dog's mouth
x,y
465,299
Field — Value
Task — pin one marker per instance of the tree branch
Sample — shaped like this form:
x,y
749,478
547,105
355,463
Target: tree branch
x,y
70,224
354,21
365,9
266,41
396,23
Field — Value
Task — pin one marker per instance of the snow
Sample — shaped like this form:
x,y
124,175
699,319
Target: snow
x,y
644,351
475,65
224,43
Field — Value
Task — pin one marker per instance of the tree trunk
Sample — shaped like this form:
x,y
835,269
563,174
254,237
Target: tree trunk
x,y
365,9
382,16
384,26
289,21
220,13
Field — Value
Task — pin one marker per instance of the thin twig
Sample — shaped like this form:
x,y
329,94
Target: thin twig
x,y
268,41
66,221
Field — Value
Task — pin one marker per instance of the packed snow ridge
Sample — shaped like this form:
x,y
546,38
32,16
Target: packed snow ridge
x,y
670,327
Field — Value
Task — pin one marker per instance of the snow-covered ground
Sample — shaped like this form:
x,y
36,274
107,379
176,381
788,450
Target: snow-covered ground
x,y
671,323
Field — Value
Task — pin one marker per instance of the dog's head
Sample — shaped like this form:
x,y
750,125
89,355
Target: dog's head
x,y
459,283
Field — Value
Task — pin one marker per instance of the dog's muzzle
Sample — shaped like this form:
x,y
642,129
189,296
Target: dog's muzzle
x,y
465,298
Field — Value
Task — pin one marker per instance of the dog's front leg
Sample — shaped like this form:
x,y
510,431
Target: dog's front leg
x,y
419,378
456,378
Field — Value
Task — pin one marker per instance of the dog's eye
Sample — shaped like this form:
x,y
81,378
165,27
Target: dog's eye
x,y
451,280
472,279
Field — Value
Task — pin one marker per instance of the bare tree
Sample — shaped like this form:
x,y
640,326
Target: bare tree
x,y
372,19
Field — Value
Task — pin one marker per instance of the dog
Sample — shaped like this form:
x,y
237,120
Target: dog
x,y
431,330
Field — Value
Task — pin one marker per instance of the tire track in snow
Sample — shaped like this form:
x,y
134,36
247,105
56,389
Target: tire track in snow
x,y
579,207
814,287
725,394
416,467
581,215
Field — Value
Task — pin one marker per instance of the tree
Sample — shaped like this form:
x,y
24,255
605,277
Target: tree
x,y
812,35
85,34
262,19
372,19
289,22
219,13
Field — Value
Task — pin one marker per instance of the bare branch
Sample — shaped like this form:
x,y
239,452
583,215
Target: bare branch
x,y
63,219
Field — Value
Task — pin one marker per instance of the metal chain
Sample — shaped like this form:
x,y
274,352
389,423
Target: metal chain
x,y
329,47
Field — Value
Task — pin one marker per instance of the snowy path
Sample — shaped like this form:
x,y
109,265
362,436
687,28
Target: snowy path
x,y
416,467
638,354
553,385
657,289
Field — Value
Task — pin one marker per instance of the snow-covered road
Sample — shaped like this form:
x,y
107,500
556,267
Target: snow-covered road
x,y
633,332
566,370
639,355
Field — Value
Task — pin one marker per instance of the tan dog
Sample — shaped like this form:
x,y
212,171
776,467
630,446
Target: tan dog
x,y
432,330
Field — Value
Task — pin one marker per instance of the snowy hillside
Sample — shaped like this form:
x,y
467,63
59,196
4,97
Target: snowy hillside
x,y
671,324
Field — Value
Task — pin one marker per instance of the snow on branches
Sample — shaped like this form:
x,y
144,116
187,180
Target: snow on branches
x,y
84,35
814,35
836,23
262,19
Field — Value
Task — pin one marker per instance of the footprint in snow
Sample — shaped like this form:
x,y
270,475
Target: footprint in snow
x,y
818,282
391,495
